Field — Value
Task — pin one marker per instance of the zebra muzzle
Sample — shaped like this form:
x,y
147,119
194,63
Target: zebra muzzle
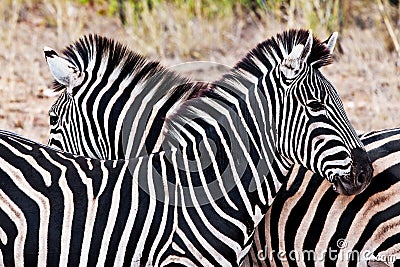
x,y
359,177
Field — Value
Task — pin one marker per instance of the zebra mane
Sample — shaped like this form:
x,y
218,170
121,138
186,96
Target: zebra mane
x,y
272,51
97,50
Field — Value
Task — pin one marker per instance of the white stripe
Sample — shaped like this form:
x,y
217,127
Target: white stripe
x,y
110,82
17,216
89,93
175,219
18,139
46,175
166,201
68,210
212,157
243,148
121,89
204,243
89,163
225,239
3,236
153,114
112,217
79,57
119,259
91,210
121,123
383,232
176,247
385,163
131,129
385,199
303,229
381,142
270,138
150,212
176,259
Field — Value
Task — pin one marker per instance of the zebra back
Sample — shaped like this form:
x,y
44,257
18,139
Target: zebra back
x,y
58,209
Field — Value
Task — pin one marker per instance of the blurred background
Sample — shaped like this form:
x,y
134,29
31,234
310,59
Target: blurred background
x,y
366,71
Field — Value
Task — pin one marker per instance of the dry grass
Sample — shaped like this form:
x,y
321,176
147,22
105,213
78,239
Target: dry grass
x,y
365,74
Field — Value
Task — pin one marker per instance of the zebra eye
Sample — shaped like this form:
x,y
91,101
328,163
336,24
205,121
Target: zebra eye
x,y
315,106
53,119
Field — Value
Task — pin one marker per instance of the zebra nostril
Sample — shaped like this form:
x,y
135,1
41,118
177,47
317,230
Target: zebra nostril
x,y
362,177
362,168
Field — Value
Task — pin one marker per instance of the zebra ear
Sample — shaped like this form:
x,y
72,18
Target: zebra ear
x,y
291,64
299,54
62,70
307,47
331,41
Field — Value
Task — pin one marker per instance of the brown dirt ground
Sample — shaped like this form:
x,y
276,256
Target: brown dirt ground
x,y
366,74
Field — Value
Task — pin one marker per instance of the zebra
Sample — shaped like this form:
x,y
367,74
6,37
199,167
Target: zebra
x,y
103,83
383,150
257,181
307,219
61,209
120,88
276,214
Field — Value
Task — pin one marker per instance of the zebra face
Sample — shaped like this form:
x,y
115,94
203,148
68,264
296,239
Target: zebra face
x,y
63,120
66,131
316,125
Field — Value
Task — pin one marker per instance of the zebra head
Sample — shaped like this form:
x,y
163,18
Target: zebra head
x,y
112,100
311,124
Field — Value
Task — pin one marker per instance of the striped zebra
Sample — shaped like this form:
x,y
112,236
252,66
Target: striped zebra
x,y
309,225
108,91
307,210
58,209
288,110
236,126
284,232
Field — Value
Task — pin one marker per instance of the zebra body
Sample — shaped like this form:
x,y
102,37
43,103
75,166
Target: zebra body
x,y
225,148
307,219
58,209
63,209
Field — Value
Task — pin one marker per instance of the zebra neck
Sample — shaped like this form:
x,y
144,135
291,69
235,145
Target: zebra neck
x,y
130,111
228,137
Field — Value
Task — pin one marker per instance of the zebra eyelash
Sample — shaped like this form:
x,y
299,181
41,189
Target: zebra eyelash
x,y
315,105
53,118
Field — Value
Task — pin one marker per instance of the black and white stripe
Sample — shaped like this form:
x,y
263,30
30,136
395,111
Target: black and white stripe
x,y
115,103
109,94
232,142
58,209
307,218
